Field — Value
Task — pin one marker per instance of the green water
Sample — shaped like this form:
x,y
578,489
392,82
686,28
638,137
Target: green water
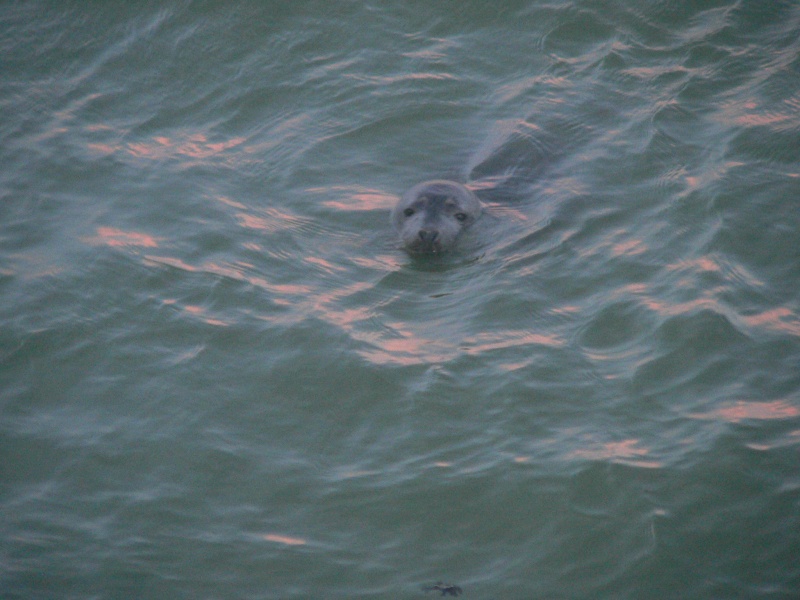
x,y
221,376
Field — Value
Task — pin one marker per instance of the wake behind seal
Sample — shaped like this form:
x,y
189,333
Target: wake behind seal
x,y
430,216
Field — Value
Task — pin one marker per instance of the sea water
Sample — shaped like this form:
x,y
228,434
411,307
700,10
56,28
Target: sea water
x,y
221,376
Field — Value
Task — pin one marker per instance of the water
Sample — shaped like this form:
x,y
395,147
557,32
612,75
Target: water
x,y
222,378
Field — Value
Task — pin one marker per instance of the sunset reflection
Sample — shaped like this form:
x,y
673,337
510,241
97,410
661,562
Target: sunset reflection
x,y
778,319
485,342
622,451
199,312
405,346
360,199
703,264
744,410
750,114
237,272
409,351
325,265
273,220
117,238
192,145
629,248
283,539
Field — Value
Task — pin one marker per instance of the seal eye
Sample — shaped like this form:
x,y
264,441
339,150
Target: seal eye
x,y
461,217
408,212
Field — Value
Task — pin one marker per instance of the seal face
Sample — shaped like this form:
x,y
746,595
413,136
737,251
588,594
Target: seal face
x,y
430,216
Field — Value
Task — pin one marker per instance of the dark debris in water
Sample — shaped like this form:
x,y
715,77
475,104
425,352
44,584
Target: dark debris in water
x,y
447,589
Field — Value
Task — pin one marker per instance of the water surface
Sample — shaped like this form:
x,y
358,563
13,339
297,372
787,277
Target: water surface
x,y
221,377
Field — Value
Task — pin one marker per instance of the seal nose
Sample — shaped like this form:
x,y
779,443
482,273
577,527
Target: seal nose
x,y
428,235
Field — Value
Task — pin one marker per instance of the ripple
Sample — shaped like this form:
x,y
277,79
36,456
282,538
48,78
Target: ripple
x,y
743,410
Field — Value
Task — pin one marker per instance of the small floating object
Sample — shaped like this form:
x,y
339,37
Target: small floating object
x,y
447,589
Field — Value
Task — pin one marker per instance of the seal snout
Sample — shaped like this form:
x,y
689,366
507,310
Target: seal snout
x,y
428,242
428,235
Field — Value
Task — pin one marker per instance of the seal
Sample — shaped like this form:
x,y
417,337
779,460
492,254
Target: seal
x,y
430,216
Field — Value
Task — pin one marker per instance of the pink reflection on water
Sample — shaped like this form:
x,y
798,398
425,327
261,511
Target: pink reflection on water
x,y
395,343
751,113
617,452
230,202
362,199
324,264
484,342
762,118
513,366
567,309
506,212
380,262
409,351
283,539
95,127
519,87
703,263
344,475
399,344
252,222
110,236
199,312
669,309
629,248
234,271
194,145
387,81
343,318
347,318
172,262
611,241
273,220
746,409
102,149
412,348
778,319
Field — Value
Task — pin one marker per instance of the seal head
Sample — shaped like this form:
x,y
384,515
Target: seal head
x,y
430,216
